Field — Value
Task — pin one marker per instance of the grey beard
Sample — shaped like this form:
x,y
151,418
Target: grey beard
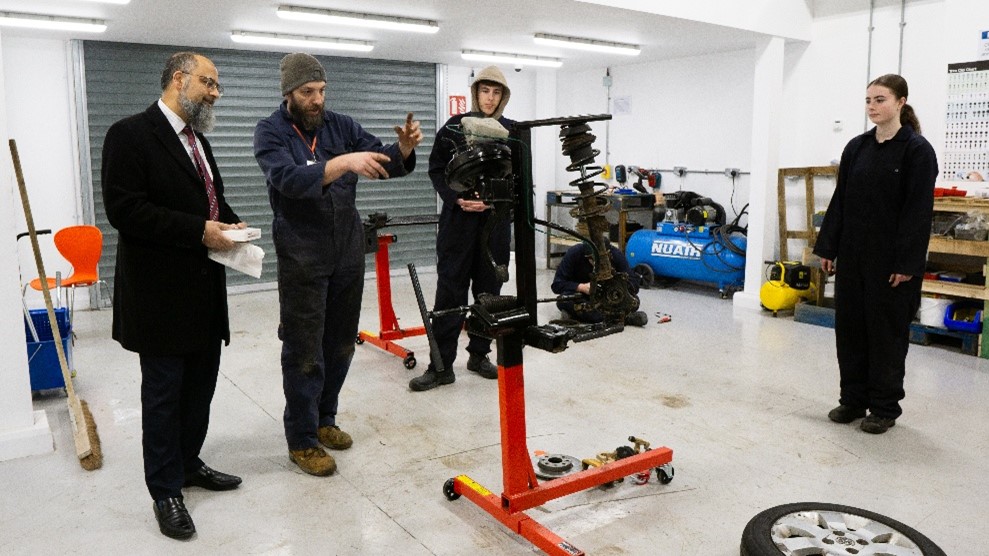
x,y
201,115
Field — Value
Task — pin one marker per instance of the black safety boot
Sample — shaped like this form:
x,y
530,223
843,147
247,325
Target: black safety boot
x,y
875,424
481,365
846,414
431,379
638,318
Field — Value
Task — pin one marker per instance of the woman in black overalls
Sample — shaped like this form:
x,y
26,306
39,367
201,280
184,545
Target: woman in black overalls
x,y
877,226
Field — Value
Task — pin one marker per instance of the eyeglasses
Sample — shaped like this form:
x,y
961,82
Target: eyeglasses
x,y
210,83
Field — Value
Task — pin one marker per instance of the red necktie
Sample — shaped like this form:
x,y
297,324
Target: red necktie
x,y
214,209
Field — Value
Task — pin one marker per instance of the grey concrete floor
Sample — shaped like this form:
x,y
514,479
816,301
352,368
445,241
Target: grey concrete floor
x,y
741,399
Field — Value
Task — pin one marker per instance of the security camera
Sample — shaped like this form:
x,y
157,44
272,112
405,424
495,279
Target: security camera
x,y
518,69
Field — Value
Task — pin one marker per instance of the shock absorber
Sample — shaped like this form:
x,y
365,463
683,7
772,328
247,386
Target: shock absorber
x,y
578,145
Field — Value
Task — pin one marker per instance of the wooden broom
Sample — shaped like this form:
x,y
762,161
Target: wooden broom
x,y
83,427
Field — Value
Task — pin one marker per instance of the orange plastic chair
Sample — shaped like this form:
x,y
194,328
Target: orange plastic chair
x,y
82,246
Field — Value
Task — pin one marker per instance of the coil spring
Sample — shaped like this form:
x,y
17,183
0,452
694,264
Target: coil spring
x,y
578,146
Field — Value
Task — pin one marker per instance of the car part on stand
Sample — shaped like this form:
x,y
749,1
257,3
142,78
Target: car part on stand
x,y
512,322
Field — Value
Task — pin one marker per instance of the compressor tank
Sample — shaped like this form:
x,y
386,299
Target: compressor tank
x,y
697,253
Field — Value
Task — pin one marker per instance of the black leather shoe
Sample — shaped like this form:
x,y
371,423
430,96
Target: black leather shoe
x,y
173,519
211,479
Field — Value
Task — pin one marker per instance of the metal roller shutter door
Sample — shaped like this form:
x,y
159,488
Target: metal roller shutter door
x,y
123,79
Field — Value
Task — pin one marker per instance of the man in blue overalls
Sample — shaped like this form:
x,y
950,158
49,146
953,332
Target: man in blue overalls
x,y
311,158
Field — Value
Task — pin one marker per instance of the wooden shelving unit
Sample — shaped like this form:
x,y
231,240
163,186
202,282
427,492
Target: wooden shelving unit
x,y
976,251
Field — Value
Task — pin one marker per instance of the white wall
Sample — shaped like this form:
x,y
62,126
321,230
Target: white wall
x,y
23,431
41,119
826,80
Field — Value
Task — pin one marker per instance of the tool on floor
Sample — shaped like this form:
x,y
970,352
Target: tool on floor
x,y
87,441
378,244
664,473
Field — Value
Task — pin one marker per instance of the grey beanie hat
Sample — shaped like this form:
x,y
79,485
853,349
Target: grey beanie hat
x,y
298,69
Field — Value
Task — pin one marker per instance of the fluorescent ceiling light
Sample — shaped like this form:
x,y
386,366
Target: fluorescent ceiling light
x,y
300,41
108,1
587,44
58,23
516,59
300,13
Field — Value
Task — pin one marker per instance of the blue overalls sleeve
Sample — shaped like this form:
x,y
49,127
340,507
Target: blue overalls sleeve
x,y
283,163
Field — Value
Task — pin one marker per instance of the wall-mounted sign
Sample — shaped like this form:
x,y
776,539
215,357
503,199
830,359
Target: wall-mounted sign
x,y
458,105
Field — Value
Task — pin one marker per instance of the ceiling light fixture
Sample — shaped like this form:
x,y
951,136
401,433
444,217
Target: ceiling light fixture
x,y
517,59
51,22
301,41
587,44
300,13
108,1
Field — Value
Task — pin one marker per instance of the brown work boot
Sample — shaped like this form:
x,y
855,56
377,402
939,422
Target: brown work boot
x,y
333,438
314,461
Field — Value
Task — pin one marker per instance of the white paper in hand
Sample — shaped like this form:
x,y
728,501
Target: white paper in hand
x,y
244,257
242,235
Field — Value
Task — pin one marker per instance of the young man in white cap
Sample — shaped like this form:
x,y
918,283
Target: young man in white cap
x,y
461,263
311,158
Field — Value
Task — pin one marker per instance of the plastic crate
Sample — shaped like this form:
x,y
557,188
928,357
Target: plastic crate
x,y
43,365
964,316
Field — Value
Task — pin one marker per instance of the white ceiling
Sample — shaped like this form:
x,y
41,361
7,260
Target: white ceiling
x,y
495,25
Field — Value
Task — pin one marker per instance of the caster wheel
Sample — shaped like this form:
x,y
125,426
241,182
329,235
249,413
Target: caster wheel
x,y
359,340
646,275
819,528
448,491
409,362
664,474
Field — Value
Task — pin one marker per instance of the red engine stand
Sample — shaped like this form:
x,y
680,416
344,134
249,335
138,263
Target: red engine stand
x,y
386,313
522,491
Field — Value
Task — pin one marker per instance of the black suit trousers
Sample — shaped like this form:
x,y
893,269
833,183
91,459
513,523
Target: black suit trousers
x,y
176,391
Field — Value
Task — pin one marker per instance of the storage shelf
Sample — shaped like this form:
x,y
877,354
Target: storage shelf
x,y
953,246
968,248
956,289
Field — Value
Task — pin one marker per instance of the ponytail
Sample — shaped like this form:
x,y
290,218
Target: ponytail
x,y
909,117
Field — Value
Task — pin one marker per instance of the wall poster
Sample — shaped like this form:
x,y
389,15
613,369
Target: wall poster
x,y
966,145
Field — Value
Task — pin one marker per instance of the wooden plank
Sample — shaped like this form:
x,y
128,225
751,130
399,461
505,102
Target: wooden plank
x,y
940,244
956,289
781,211
960,204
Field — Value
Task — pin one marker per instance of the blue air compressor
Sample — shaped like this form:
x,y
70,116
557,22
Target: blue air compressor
x,y
697,246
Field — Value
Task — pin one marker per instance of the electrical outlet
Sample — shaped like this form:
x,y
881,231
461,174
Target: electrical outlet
x,y
680,171
732,172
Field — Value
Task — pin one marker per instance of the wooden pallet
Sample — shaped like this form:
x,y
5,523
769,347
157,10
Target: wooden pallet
x,y
926,335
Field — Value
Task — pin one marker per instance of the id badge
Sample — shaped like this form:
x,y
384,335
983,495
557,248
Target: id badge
x,y
310,162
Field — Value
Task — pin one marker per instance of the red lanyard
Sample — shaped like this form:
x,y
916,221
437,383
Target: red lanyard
x,y
312,148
